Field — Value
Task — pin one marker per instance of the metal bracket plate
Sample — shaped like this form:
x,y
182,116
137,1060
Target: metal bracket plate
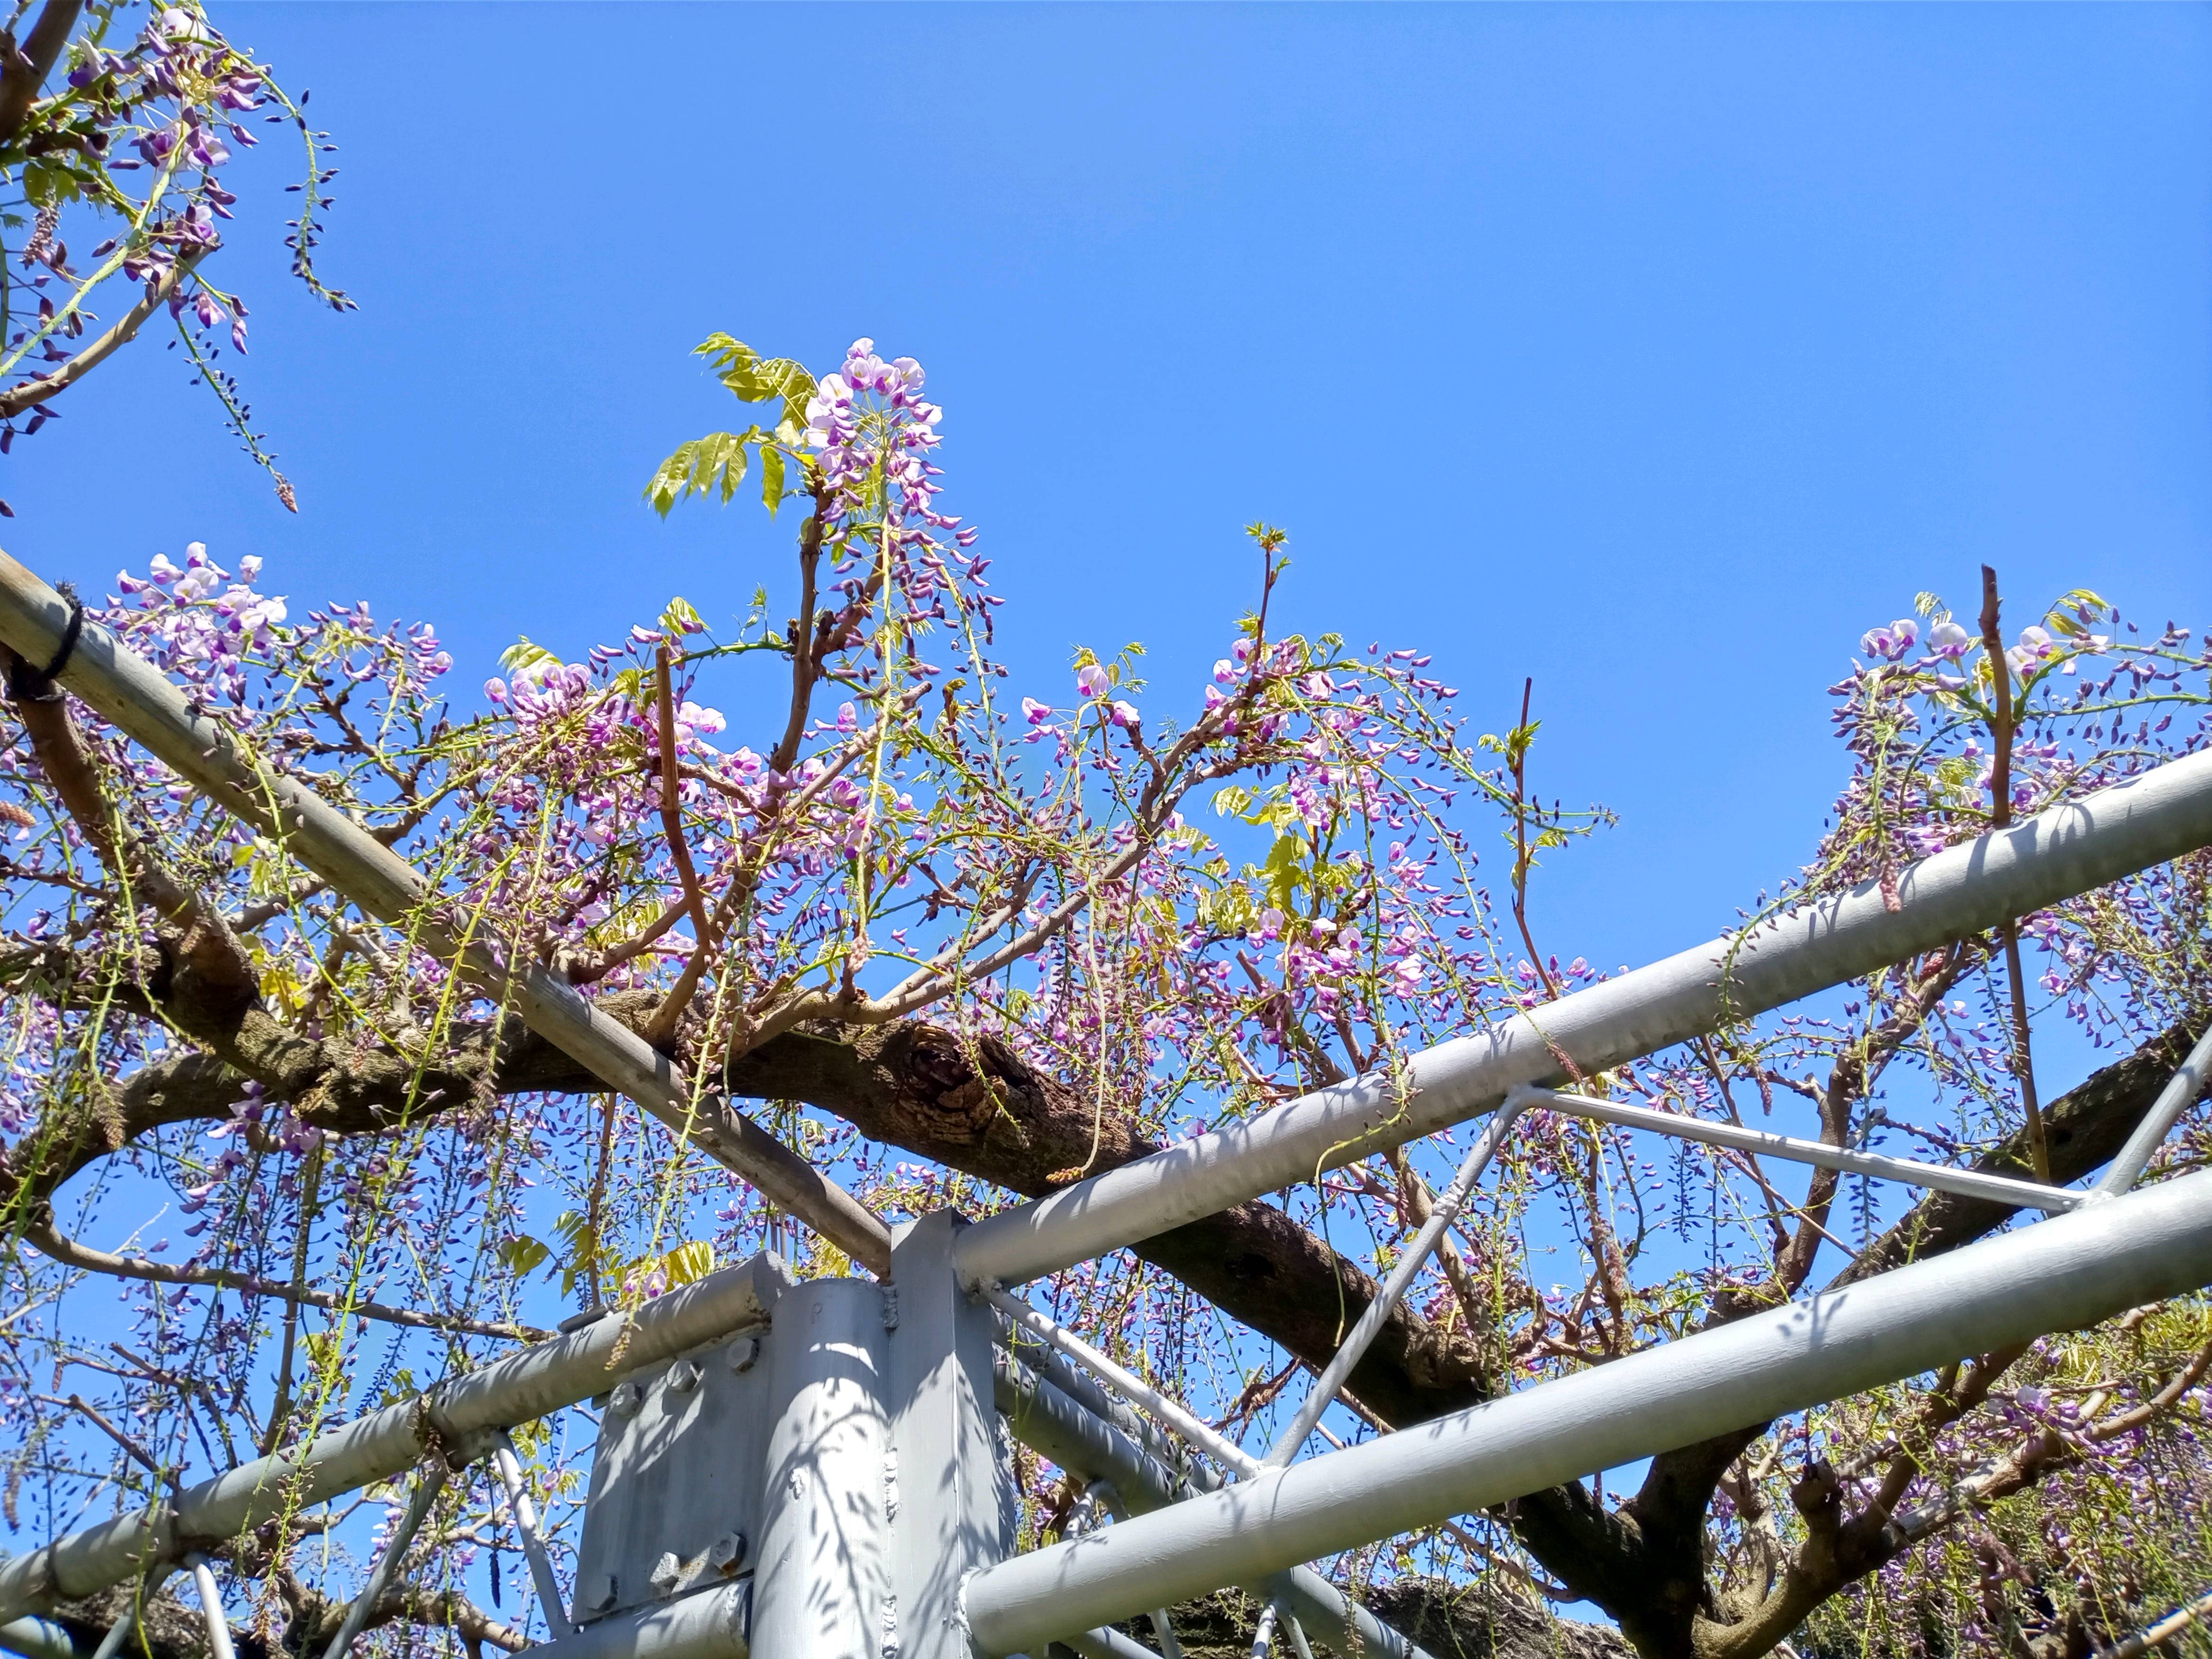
x,y
675,1503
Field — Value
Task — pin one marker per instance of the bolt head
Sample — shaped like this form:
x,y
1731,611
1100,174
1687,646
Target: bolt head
x,y
727,1552
683,1376
626,1399
744,1354
602,1595
667,1572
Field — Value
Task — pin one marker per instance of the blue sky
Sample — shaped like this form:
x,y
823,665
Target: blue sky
x,y
1654,352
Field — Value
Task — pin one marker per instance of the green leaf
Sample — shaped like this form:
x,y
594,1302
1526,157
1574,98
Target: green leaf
x,y
726,352
771,460
680,617
690,1261
575,1229
716,460
524,653
2076,610
755,380
522,1254
1285,870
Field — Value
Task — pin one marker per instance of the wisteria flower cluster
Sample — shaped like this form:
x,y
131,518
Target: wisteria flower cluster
x,y
130,147
1056,930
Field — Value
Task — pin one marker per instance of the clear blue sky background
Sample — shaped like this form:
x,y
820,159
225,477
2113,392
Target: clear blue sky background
x,y
1657,353
1654,352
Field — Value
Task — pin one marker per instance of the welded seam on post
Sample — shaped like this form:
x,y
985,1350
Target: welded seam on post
x,y
139,700
2063,851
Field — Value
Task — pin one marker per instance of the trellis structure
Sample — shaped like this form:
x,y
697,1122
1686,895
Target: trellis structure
x,y
821,1468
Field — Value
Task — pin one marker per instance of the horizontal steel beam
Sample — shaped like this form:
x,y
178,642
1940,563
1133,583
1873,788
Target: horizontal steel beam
x,y
2063,1274
41,1638
1961,891
1047,1421
127,690
707,1624
540,1379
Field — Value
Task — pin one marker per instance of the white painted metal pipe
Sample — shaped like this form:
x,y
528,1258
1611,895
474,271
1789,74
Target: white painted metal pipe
x,y
1942,1177
541,1378
2179,1094
429,1482
40,1638
1049,1421
1089,1392
2063,1273
823,1566
127,690
1106,1643
1105,1492
126,1622
533,1542
211,1609
706,1623
1962,891
1354,1347
1177,1415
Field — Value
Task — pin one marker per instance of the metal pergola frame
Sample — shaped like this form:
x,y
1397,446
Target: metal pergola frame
x,y
1180,1531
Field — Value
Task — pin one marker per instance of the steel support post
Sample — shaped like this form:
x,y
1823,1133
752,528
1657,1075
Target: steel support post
x,y
822,1585
955,1510
2059,853
2068,1272
211,1610
541,1378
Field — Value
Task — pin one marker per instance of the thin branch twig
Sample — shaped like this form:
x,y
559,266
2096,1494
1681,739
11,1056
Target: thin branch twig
x,y
2002,722
71,1254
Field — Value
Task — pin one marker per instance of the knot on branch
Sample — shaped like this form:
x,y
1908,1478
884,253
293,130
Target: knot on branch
x,y
958,1089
